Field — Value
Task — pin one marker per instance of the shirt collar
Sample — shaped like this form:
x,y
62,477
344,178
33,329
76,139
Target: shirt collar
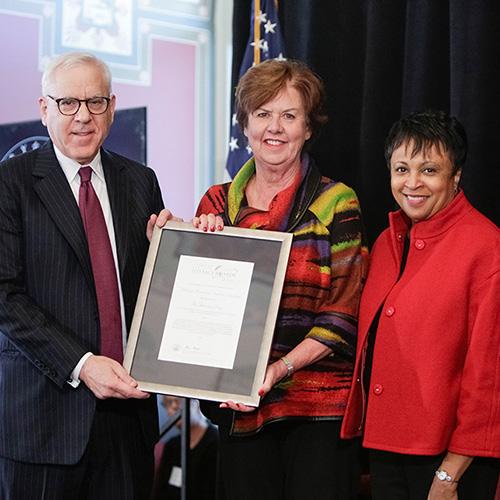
x,y
71,167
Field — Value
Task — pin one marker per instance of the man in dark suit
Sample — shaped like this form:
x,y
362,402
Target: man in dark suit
x,y
73,424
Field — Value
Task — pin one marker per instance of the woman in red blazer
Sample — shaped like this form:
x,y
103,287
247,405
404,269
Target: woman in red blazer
x,y
426,389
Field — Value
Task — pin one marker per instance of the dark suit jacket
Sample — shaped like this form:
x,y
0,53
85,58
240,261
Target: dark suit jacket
x,y
48,307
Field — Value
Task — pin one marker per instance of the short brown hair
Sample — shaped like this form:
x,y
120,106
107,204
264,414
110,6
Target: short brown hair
x,y
263,82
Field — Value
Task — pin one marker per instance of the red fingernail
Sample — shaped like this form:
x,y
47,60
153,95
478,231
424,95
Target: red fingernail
x,y
261,392
205,229
212,229
219,228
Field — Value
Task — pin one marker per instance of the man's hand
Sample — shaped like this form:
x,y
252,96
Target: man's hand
x,y
106,378
160,220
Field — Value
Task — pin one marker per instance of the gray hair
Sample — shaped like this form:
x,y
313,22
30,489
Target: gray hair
x,y
72,59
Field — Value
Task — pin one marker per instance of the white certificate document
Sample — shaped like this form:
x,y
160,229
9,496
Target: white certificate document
x,y
206,311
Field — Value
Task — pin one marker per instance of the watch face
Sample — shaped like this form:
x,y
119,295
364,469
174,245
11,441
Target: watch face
x,y
443,475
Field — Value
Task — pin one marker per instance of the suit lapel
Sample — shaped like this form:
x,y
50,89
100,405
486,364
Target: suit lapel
x,y
52,187
118,192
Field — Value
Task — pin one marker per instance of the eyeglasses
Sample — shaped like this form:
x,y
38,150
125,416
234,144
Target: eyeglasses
x,y
70,105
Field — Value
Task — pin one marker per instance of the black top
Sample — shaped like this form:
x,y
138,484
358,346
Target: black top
x,y
202,464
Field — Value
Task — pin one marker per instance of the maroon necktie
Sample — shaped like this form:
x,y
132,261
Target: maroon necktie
x,y
103,267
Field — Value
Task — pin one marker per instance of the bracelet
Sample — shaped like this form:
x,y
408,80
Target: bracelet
x,y
442,475
289,367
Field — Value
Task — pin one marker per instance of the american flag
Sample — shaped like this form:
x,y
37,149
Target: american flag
x,y
265,42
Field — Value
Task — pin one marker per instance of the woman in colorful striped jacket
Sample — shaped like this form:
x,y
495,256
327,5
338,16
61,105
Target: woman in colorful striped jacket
x,y
289,447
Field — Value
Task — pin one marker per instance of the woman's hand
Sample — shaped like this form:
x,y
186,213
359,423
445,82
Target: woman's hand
x,y
160,220
208,222
442,490
307,352
274,373
455,465
237,406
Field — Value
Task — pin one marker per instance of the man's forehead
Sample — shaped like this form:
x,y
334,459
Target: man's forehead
x,y
77,78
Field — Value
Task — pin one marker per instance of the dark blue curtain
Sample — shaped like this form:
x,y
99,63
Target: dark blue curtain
x,y
381,59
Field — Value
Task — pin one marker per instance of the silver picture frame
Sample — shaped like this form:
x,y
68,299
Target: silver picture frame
x,y
266,253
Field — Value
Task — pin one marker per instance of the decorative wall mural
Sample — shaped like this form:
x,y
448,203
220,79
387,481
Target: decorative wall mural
x,y
98,25
161,58
120,31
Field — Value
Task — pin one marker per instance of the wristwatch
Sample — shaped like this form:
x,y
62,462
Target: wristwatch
x,y
289,367
442,475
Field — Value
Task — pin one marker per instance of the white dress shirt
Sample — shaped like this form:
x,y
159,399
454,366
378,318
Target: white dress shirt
x,y
70,168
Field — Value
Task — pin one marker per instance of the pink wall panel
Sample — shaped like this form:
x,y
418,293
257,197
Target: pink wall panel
x,y
170,102
19,75
170,105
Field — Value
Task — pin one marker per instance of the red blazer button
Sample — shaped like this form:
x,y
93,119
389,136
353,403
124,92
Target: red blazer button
x,y
389,311
378,389
420,244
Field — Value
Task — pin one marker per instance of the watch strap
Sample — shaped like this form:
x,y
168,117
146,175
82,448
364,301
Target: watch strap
x,y
289,367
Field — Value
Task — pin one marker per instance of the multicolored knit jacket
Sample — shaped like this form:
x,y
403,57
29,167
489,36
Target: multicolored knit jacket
x,y
323,283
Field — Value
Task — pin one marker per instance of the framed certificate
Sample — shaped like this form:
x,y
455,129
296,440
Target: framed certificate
x,y
206,312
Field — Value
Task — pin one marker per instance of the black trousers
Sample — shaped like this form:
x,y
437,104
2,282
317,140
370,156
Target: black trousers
x,y
115,466
297,460
396,476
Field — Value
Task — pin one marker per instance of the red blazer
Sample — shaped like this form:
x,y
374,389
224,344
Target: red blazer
x,y
435,381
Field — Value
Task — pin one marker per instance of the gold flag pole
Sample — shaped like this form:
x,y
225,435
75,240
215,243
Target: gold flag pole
x,y
256,33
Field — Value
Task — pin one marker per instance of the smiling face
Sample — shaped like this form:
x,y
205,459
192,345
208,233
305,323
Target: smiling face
x,y
423,184
277,131
79,136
